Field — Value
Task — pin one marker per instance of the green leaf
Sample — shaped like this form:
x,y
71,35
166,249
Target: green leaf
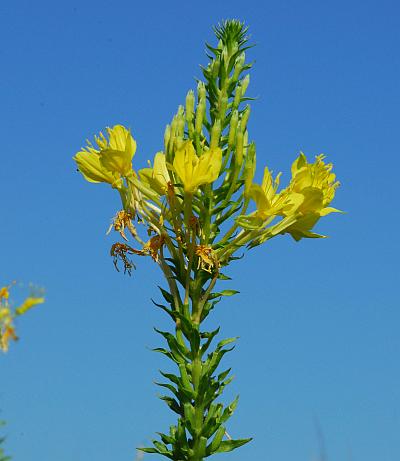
x,y
216,442
170,312
224,374
224,293
172,403
222,276
162,449
169,387
227,413
229,445
226,341
167,296
148,450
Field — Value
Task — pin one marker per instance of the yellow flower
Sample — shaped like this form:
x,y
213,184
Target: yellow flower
x,y
301,204
157,177
311,190
313,185
268,201
111,160
194,171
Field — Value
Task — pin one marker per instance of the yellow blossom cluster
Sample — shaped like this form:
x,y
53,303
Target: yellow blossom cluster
x,y
164,193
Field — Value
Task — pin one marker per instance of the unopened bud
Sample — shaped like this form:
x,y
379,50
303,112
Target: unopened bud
x,y
223,104
180,122
200,112
215,67
232,129
238,96
167,136
215,134
201,91
239,147
245,142
189,106
245,117
245,83
239,64
171,144
249,169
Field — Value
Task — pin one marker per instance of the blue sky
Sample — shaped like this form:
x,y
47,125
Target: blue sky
x,y
318,320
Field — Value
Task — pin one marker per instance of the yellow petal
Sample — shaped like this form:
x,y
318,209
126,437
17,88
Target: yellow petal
x,y
184,163
146,176
91,168
122,140
116,161
313,200
327,210
215,163
257,193
299,163
160,170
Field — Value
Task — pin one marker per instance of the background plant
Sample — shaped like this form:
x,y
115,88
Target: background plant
x,y
7,331
192,210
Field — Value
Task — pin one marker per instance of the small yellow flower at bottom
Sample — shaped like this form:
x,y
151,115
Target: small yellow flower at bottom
x,y
7,316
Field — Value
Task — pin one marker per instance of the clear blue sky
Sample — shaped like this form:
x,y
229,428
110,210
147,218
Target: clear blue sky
x,y
318,320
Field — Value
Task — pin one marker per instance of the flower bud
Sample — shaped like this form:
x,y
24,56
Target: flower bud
x,y
232,129
223,104
172,139
215,134
201,91
239,147
215,67
167,136
245,142
239,63
200,112
238,96
245,117
189,106
245,83
180,127
249,169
